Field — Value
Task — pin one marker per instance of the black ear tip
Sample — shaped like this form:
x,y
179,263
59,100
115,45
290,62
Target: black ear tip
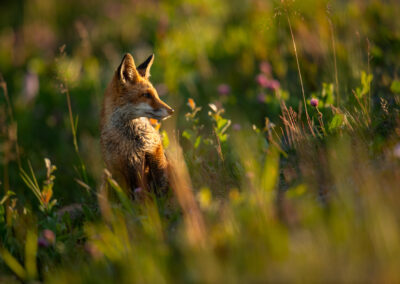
x,y
146,64
150,58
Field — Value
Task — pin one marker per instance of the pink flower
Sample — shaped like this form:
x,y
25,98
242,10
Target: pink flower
x,y
273,84
262,80
31,85
261,98
314,102
49,236
265,68
224,89
93,250
236,127
138,190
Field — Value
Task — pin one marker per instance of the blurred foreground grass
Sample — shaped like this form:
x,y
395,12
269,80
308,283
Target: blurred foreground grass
x,y
285,144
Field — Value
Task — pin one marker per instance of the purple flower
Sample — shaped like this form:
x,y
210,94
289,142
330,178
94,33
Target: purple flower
x,y
265,68
42,242
236,127
138,190
262,80
224,89
261,98
314,102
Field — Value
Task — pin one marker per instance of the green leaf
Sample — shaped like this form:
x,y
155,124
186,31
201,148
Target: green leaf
x,y
197,143
187,134
165,139
270,172
365,85
395,87
336,122
327,94
12,263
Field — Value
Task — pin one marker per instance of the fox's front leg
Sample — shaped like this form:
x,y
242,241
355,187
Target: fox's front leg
x,y
136,176
158,170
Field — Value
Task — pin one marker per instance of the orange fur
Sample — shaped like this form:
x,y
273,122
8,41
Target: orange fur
x,y
131,146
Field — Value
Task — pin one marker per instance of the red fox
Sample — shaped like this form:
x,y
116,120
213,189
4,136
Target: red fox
x,y
131,146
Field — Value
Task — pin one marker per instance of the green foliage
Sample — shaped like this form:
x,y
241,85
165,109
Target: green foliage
x,y
395,87
365,88
29,271
220,124
327,94
45,194
337,122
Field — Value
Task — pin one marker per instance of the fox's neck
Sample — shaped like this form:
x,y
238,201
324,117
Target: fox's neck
x,y
128,123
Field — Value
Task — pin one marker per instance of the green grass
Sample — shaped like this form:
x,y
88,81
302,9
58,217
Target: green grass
x,y
266,187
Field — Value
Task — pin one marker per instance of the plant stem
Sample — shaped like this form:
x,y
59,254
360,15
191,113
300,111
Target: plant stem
x,y
299,71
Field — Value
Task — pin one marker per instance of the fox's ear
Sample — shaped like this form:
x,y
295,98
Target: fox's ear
x,y
127,69
144,68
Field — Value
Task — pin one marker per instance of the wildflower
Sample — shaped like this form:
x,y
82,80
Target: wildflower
x,y
236,127
205,198
262,80
42,242
250,175
154,122
138,190
273,84
31,85
93,250
191,103
261,98
213,107
314,102
224,89
49,236
265,68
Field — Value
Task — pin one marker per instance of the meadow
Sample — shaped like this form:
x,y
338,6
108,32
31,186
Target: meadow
x,y
285,142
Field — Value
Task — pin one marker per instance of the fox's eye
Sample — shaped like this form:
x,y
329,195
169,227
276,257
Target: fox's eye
x,y
147,95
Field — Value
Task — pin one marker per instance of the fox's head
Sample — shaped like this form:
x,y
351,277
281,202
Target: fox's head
x,y
134,95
